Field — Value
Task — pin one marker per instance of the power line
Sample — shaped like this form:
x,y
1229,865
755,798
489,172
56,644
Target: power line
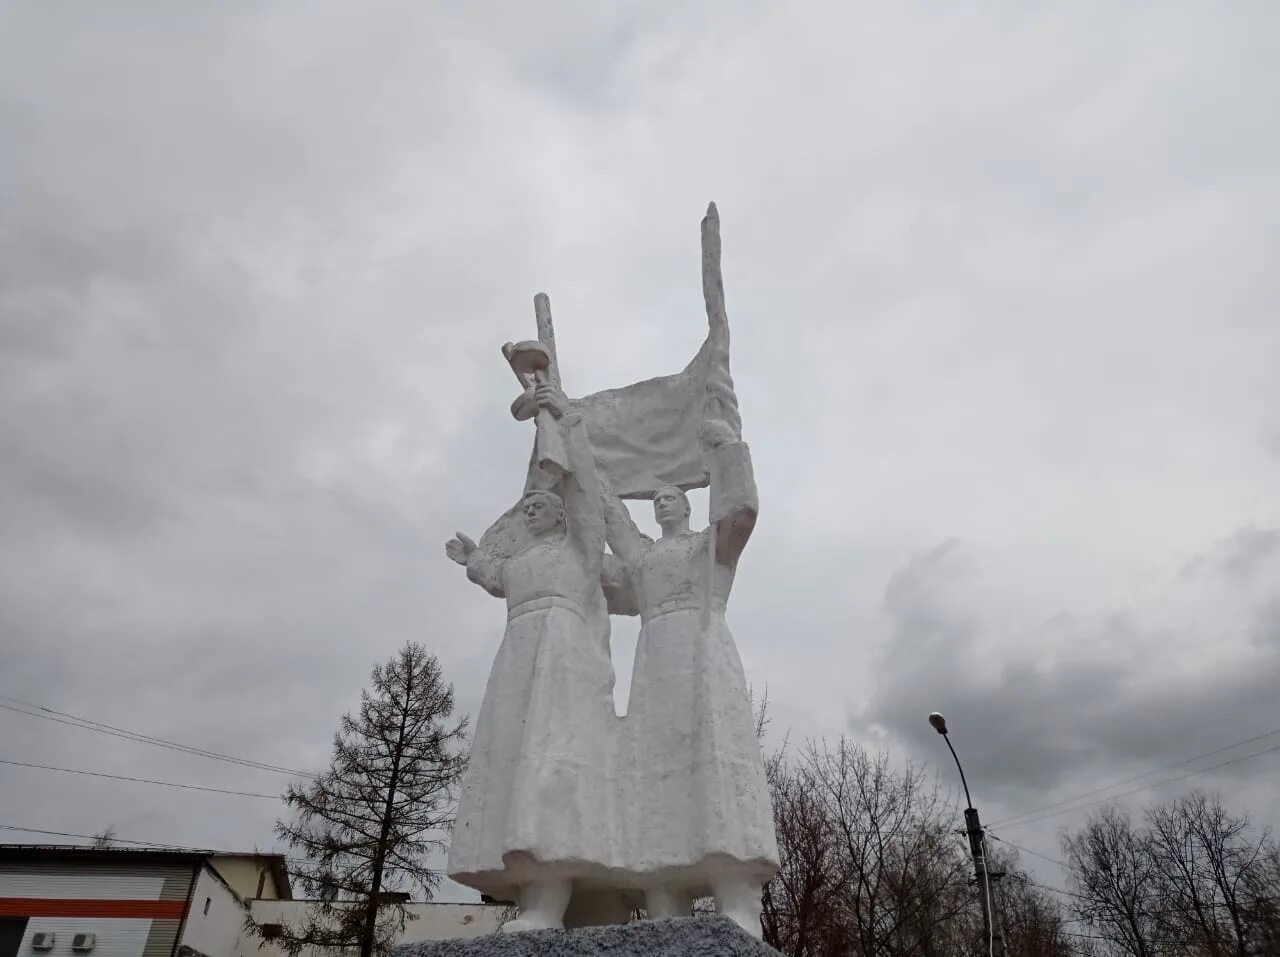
x,y
76,721
385,867
114,839
121,777
1173,907
1145,774
1145,787
88,724
1170,907
1051,860
1121,940
1058,890
1085,897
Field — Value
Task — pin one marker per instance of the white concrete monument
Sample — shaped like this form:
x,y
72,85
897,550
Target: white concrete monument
x,y
565,802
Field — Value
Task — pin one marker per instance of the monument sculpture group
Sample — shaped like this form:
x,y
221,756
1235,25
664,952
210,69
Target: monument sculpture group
x,y
570,811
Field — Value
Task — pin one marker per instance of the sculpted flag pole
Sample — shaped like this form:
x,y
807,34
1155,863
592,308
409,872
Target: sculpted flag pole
x,y
534,363
647,435
547,333
644,436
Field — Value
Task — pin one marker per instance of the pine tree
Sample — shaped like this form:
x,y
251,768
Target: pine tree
x,y
366,825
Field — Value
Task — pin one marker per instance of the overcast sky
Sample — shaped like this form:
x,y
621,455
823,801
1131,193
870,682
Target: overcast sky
x,y
1003,292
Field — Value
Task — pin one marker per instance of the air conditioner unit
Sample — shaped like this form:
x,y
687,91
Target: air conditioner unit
x,y
83,943
43,940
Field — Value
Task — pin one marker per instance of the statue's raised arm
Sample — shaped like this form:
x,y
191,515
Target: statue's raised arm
x,y
624,536
581,486
735,503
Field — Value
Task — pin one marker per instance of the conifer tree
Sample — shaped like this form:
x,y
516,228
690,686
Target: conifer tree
x,y
365,827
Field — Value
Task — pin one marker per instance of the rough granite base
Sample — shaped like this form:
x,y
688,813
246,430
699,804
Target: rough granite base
x,y
668,937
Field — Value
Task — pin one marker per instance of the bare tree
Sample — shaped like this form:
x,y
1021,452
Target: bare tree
x,y
1212,869
798,916
897,853
873,863
759,712
1034,922
1263,883
1197,881
1112,871
366,825
107,838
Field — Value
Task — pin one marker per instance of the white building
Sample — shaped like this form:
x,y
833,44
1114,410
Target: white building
x,y
66,901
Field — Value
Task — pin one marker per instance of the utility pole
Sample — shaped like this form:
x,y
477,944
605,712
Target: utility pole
x,y
991,922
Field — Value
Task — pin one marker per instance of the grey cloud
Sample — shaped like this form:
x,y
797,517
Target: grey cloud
x,y
1248,553
1271,441
255,266
1045,704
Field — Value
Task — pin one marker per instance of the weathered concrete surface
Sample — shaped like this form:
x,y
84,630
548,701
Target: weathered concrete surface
x,y
669,937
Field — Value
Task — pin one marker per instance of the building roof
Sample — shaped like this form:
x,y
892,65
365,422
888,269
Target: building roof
x,y
143,855
28,852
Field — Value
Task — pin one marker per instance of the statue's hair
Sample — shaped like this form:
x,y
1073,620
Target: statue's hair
x,y
545,494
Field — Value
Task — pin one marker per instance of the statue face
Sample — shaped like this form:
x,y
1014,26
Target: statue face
x,y
542,514
670,505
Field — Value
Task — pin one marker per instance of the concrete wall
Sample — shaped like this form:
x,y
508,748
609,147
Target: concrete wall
x,y
434,922
243,872
450,921
219,933
216,917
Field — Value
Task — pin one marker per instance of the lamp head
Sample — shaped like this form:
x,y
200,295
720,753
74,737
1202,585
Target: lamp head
x,y
939,723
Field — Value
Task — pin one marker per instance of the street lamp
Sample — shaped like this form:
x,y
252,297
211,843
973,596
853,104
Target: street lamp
x,y
977,848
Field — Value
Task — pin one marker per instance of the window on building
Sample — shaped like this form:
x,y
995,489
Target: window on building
x,y
207,902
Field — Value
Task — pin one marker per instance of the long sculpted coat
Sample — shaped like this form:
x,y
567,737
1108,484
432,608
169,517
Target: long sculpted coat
x,y
537,799
691,771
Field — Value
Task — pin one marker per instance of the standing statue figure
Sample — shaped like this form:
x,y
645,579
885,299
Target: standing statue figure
x,y
698,817
536,808
566,807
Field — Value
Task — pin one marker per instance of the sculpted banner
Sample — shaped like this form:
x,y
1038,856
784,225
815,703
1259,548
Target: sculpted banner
x,y
574,813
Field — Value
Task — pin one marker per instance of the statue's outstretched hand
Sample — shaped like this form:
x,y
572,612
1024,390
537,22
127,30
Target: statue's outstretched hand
x,y
459,548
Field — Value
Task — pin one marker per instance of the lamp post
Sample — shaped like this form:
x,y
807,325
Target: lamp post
x,y
977,848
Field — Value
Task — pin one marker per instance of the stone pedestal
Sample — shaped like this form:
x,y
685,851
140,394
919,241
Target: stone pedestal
x,y
709,936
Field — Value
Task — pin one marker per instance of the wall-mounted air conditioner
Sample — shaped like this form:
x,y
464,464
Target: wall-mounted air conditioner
x,y
43,940
83,943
